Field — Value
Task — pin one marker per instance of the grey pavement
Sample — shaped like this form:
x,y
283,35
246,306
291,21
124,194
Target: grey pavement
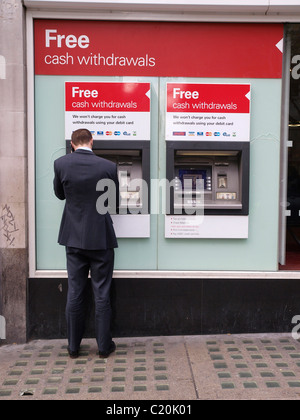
x,y
214,367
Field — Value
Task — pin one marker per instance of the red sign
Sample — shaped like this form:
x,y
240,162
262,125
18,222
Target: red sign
x,y
113,48
110,110
208,112
112,97
208,98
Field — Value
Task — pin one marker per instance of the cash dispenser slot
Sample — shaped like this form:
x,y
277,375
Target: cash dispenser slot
x,y
213,175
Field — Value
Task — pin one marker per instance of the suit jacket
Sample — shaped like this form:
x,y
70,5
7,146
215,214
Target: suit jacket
x,y
76,177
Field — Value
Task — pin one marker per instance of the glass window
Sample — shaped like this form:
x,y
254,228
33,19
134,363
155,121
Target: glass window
x,y
293,182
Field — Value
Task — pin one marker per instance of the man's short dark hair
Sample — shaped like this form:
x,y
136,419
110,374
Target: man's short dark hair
x,y
81,136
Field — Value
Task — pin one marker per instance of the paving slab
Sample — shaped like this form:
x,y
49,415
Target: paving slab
x,y
187,368
245,367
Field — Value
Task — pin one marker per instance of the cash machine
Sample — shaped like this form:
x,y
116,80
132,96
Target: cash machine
x,y
223,169
133,163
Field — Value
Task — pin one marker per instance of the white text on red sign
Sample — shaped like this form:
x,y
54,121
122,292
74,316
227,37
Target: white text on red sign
x,y
70,41
86,93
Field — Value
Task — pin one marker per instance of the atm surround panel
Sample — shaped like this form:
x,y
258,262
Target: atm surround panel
x,y
223,169
133,163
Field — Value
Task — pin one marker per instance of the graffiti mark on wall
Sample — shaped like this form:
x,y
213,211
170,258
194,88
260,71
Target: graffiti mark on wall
x,y
2,328
2,67
8,226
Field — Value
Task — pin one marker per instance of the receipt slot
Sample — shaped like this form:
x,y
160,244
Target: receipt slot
x,y
133,164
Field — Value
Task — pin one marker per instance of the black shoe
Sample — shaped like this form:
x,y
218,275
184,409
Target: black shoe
x,y
73,354
105,354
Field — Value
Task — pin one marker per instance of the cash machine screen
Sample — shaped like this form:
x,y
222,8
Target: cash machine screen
x,y
192,175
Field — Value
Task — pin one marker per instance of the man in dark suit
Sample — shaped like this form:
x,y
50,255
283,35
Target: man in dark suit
x,y
87,233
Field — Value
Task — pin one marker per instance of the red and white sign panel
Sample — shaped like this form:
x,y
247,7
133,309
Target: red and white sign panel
x,y
110,110
208,112
158,49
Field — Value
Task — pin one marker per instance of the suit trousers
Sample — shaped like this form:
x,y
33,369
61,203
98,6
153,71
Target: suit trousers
x,y
100,265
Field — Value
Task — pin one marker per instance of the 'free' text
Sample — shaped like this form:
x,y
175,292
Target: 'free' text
x,y
70,41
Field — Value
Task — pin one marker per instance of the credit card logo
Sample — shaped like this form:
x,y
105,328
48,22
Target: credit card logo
x,y
179,133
